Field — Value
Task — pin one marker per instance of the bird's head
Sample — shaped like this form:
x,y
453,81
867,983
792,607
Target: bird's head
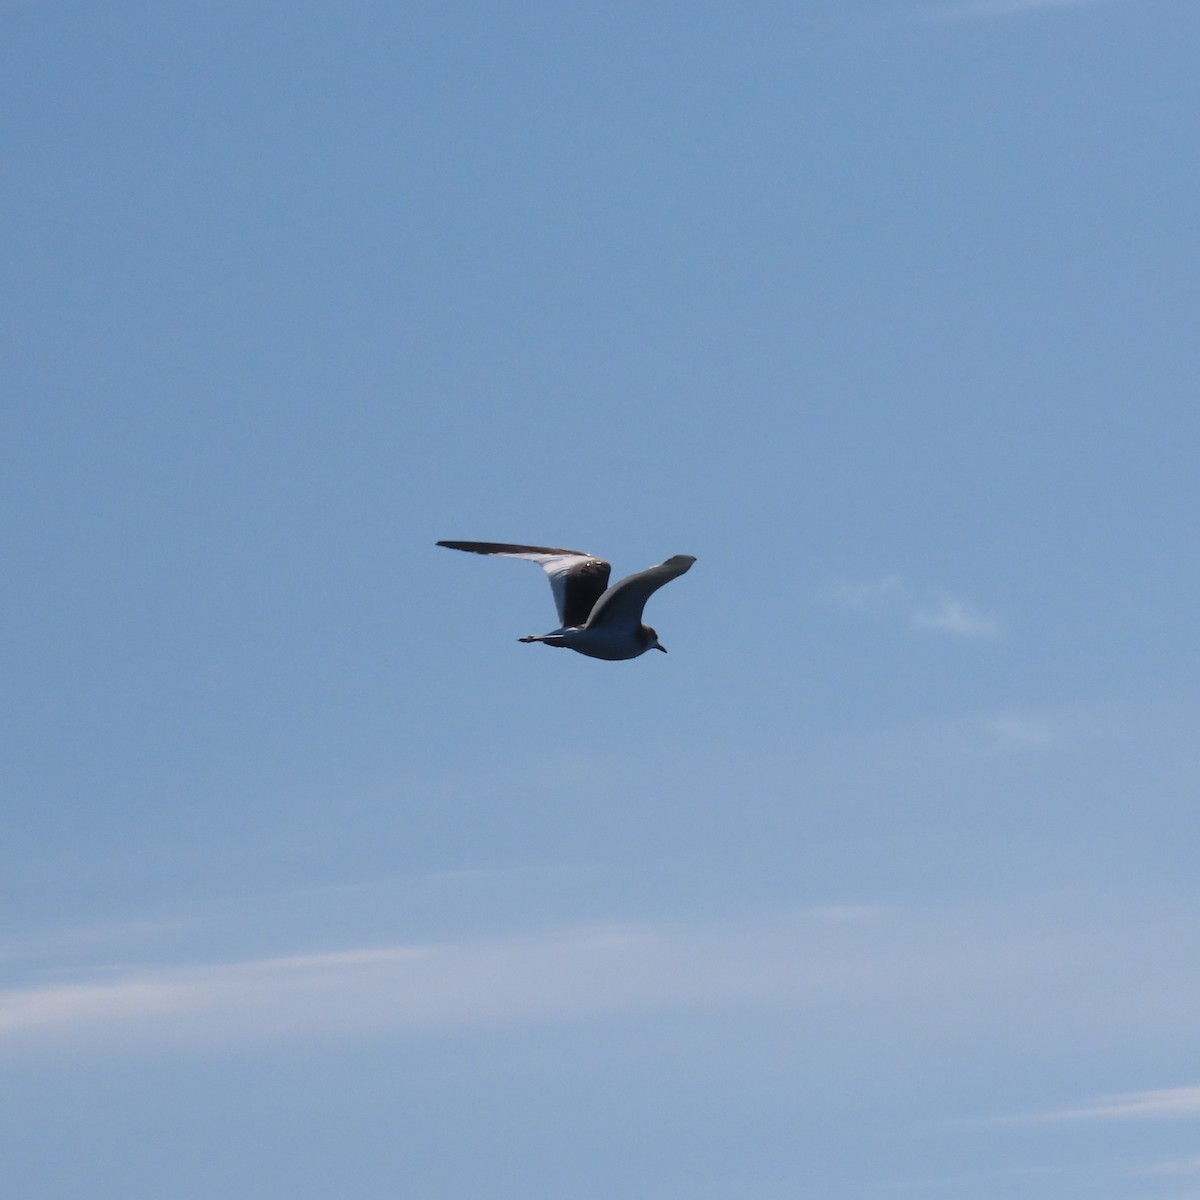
x,y
649,639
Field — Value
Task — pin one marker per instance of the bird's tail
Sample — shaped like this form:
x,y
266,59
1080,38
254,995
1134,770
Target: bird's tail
x,y
547,639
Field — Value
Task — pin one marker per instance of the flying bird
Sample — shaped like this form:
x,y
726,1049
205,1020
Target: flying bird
x,y
595,619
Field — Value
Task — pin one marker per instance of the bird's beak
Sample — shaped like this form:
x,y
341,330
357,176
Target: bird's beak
x,y
658,646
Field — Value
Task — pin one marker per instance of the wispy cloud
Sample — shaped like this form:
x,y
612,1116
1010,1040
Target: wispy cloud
x,y
1163,1103
353,990
952,616
940,613
1023,729
573,973
903,973
1177,1167
868,597
825,960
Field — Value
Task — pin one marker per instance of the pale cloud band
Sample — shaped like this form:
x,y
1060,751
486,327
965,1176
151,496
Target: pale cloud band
x,y
942,613
1163,1103
1179,1166
906,973
573,973
954,617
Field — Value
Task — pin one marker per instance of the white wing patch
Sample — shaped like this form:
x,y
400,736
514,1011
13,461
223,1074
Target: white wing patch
x,y
559,568
576,578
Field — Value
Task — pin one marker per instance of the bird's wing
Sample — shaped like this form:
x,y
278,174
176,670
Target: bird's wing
x,y
577,578
622,604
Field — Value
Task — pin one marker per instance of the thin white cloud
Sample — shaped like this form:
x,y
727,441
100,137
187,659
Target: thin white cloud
x,y
845,913
952,616
23,1009
1178,1167
941,613
1023,729
1163,1103
910,974
819,959
574,973
354,990
868,596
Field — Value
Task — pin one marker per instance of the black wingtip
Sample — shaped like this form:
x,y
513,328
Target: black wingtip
x,y
508,548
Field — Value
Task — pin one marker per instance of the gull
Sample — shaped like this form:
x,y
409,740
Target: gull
x,y
596,620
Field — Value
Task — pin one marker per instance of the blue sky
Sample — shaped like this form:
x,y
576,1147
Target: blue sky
x,y
882,883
